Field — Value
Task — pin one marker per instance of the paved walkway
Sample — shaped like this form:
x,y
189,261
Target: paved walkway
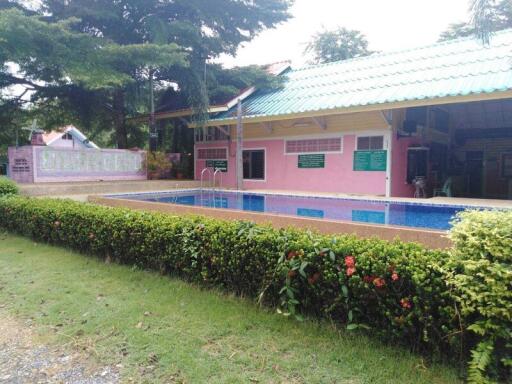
x,y
25,361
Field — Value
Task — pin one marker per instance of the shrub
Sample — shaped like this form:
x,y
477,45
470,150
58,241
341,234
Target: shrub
x,y
395,288
158,164
480,277
428,299
7,186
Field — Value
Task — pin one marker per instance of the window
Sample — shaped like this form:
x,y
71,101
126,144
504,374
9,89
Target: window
x,y
314,145
212,154
67,136
370,143
254,164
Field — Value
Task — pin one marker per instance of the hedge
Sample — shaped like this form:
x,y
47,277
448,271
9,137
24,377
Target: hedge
x,y
7,186
402,291
480,279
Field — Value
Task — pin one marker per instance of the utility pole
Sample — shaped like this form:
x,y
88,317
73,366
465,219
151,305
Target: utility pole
x,y
239,148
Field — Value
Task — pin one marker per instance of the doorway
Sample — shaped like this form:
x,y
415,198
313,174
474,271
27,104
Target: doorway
x,y
475,173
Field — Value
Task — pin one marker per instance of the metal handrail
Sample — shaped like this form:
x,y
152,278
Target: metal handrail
x,y
209,177
217,171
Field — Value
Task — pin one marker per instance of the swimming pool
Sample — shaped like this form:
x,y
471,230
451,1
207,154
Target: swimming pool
x,y
416,215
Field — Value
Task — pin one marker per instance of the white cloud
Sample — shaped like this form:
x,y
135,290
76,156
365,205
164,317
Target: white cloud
x,y
388,25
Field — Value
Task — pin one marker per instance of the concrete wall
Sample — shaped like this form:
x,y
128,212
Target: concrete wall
x,y
21,164
51,164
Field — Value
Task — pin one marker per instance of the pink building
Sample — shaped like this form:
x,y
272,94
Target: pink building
x,y
440,115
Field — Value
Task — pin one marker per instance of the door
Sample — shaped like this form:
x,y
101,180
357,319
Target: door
x,y
475,173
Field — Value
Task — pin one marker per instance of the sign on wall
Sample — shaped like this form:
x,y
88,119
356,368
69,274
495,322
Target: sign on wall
x,y
218,164
86,162
370,160
312,161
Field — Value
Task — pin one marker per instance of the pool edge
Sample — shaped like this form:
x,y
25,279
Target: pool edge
x,y
430,238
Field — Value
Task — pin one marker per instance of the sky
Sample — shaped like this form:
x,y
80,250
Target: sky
x,y
389,25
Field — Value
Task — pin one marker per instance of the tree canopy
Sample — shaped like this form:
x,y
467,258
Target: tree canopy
x,y
487,16
336,45
91,59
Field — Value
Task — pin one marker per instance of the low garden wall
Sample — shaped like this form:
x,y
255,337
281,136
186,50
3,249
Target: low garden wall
x,y
440,302
39,164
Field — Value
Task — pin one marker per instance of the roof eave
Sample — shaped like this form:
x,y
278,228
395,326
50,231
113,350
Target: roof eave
x,y
361,108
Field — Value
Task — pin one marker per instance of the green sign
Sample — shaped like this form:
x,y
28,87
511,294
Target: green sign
x,y
218,164
370,160
312,161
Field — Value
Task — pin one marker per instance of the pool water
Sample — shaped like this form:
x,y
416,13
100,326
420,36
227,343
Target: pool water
x,y
416,215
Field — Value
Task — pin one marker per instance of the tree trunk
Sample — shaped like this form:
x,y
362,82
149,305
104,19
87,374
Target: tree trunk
x,y
119,119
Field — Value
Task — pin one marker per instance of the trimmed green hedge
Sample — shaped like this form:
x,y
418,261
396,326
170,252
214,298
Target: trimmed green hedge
x,y
402,291
7,186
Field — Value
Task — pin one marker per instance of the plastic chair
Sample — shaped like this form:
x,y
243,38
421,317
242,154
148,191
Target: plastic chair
x,y
446,190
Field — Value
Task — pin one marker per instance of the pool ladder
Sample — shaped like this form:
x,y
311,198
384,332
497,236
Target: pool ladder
x,y
212,183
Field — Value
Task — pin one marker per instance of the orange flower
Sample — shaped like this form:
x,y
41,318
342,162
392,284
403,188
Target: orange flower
x,y
379,282
405,303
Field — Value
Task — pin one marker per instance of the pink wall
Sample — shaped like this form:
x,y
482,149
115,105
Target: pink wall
x,y
282,171
399,186
38,164
21,164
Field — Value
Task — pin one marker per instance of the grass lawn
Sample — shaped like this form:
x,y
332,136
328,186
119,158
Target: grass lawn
x,y
164,330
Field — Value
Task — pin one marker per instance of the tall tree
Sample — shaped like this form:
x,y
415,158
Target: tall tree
x,y
51,60
487,16
204,28
336,45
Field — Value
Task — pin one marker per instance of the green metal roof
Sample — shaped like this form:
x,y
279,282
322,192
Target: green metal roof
x,y
452,68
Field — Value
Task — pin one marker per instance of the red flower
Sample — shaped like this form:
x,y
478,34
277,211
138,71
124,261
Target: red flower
x,y
292,273
350,262
394,276
314,278
351,271
379,282
368,279
291,255
405,303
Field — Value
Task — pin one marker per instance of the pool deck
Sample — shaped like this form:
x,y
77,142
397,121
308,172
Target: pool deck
x,y
440,200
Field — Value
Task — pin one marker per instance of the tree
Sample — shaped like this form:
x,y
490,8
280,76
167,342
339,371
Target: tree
x,y
487,16
52,60
204,29
336,45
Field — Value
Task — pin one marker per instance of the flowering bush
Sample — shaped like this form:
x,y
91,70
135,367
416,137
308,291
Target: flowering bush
x,y
401,291
7,186
480,278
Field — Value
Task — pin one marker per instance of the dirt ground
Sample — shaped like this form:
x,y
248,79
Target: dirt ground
x,y
24,360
